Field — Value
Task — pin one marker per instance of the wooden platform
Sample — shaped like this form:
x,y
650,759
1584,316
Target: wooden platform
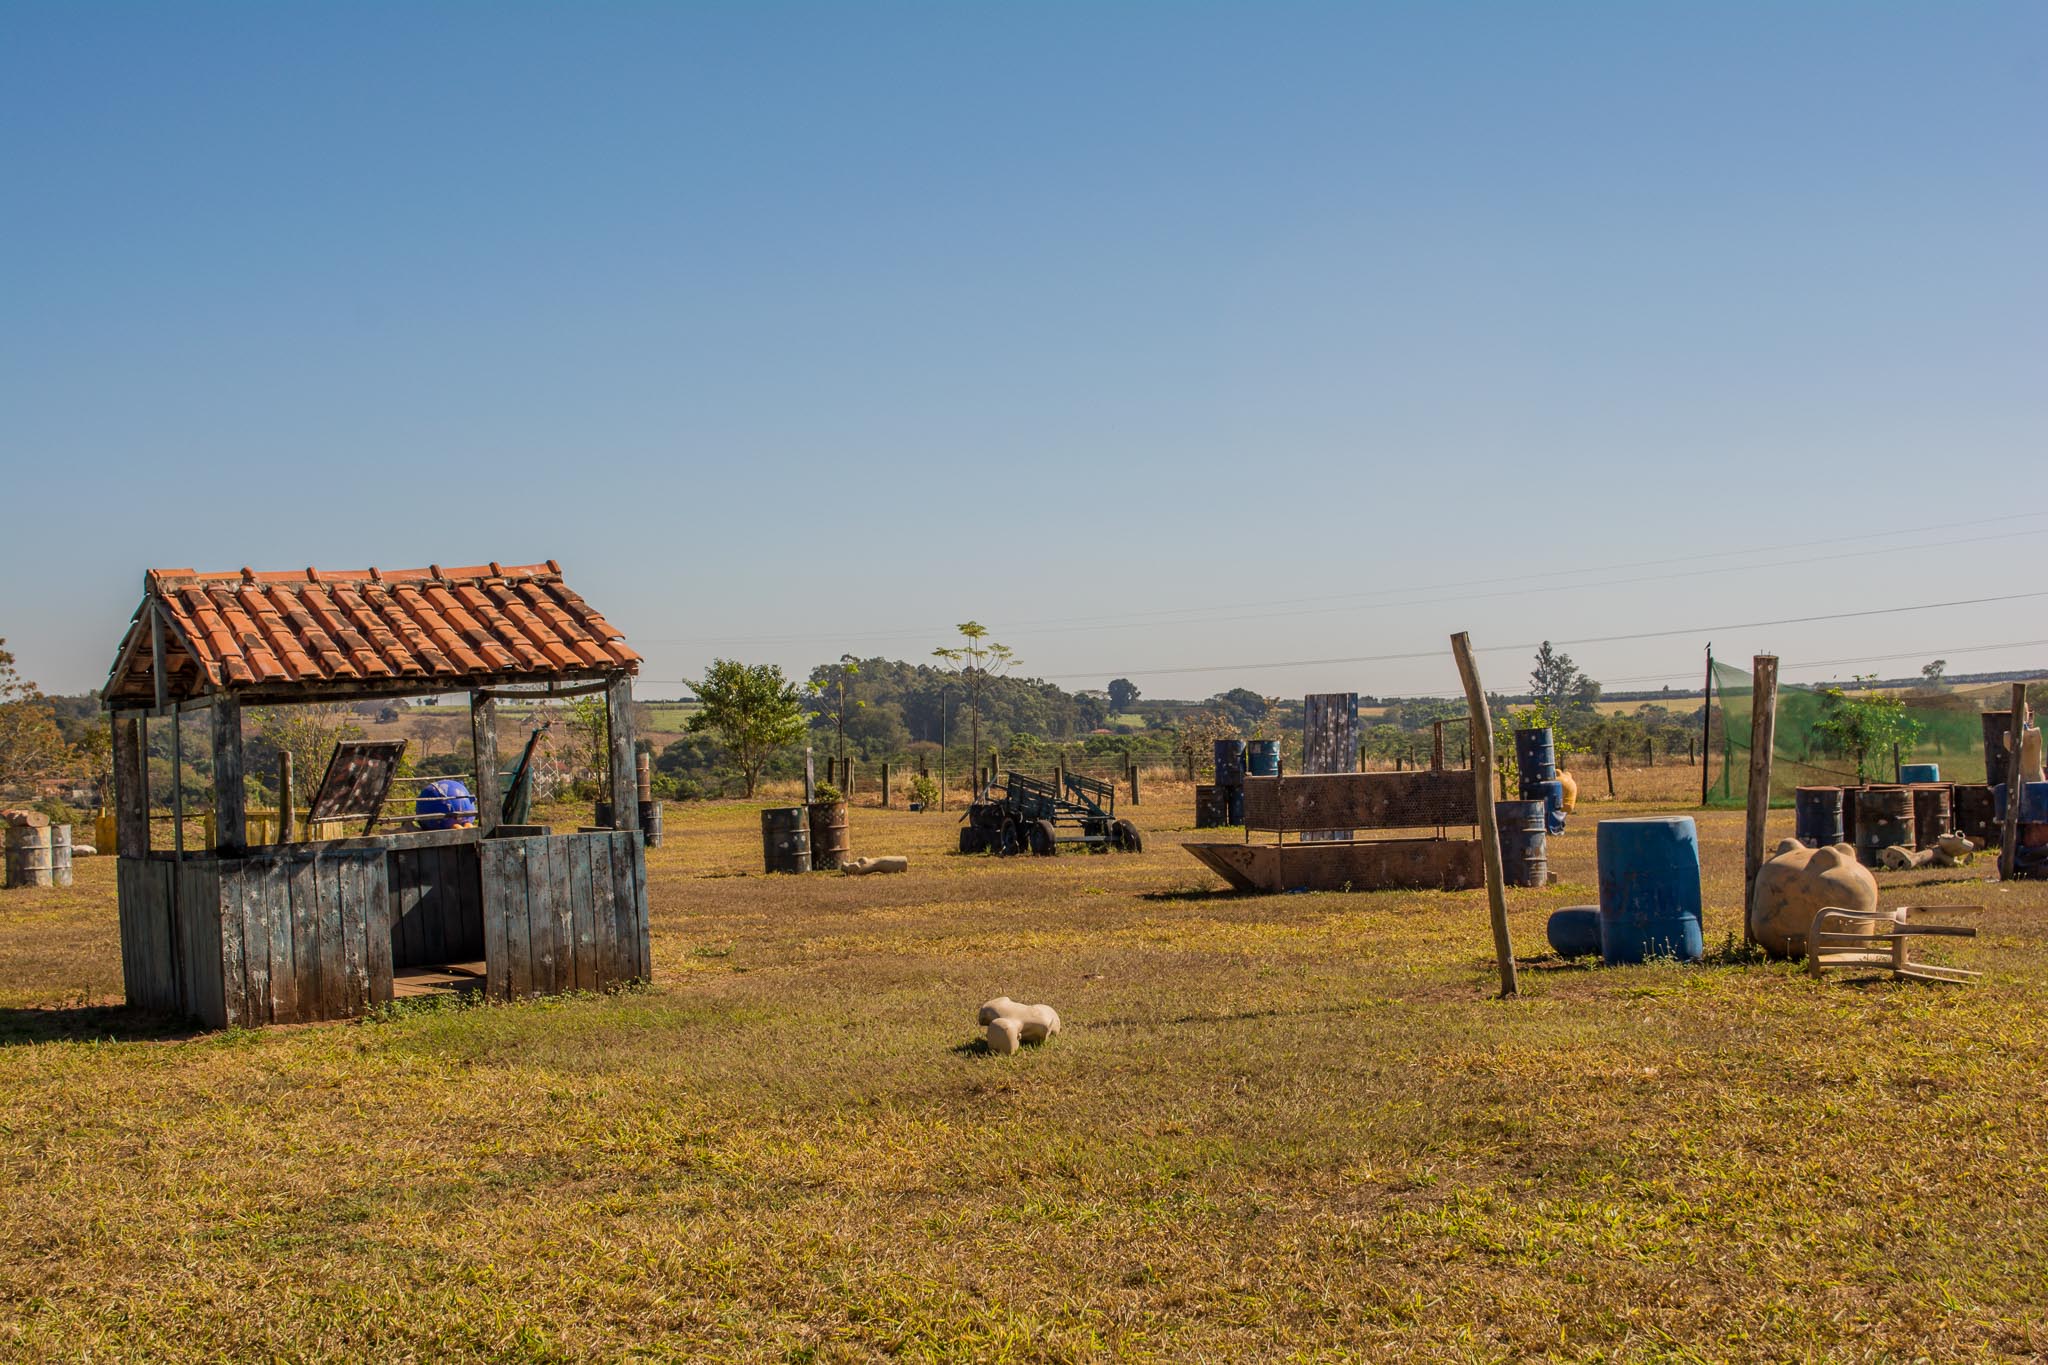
x,y
443,979
1359,865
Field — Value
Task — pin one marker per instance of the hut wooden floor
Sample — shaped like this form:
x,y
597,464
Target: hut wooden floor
x,y
439,979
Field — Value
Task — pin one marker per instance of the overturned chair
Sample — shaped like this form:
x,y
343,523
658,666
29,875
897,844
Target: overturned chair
x,y
1882,939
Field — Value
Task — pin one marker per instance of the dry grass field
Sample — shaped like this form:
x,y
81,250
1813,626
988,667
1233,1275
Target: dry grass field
x,y
1291,1128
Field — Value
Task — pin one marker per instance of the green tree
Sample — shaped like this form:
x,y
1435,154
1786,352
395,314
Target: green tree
x,y
309,732
751,710
978,660
32,748
1123,693
1865,725
590,733
840,687
1559,682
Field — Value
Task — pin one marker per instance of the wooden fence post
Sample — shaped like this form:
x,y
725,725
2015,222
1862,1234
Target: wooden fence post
x,y
1134,784
885,784
2015,787
1480,731
1607,757
1763,729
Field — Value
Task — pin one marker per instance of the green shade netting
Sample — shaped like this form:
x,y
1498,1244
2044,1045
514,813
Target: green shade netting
x,y
1946,722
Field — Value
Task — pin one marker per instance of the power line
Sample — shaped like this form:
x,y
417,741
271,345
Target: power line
x,y
1583,640
1527,580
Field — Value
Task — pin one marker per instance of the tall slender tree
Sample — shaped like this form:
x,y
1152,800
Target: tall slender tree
x,y
977,659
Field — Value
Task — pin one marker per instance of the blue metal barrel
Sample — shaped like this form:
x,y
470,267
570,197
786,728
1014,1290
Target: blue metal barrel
x,y
1817,816
1551,794
1236,810
1229,762
1649,889
1574,931
444,803
1535,759
1909,773
2033,802
1262,757
1524,856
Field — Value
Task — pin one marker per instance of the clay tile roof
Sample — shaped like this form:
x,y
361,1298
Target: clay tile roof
x,y
300,634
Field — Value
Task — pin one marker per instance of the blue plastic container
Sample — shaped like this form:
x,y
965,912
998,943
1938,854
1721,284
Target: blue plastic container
x,y
1649,889
1535,760
1551,794
1574,931
1229,762
1909,773
2033,804
1262,757
444,803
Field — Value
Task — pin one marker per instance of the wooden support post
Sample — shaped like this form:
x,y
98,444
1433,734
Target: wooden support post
x,y
1607,758
1706,723
483,746
1649,753
177,792
885,785
1134,784
1763,730
1691,758
131,788
1480,737
618,716
2015,786
230,812
287,819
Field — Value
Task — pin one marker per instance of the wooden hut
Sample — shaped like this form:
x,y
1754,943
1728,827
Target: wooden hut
x,y
282,933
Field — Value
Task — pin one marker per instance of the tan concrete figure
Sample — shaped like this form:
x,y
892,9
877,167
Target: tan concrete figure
x,y
1571,790
1954,850
861,867
1899,858
2030,753
1010,1025
1797,883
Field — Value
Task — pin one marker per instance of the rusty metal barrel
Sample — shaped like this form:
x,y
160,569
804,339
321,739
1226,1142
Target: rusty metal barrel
x,y
786,839
60,855
1931,813
1997,726
1973,812
1884,818
1212,807
28,855
1524,845
650,823
830,848
1817,816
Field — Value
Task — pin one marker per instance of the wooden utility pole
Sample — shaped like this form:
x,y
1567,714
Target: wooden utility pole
x,y
2015,786
1763,731
1706,723
1479,732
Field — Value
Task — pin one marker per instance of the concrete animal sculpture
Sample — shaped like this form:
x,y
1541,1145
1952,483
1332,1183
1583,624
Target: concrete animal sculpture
x,y
1953,850
1010,1025
2030,753
1571,790
1899,858
1796,883
862,867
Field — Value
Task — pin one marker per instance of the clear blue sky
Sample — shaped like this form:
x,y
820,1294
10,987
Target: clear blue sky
x,y
793,330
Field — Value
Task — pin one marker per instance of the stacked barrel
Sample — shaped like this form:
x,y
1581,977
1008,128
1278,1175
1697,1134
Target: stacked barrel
x,y
1222,802
1536,762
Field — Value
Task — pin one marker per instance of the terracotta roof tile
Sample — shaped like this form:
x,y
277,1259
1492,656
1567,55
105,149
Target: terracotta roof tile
x,y
309,631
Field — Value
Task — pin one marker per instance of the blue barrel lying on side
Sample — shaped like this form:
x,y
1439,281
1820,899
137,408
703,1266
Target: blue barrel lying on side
x,y
1551,794
1909,773
444,803
1649,889
1262,757
1574,931
1535,760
